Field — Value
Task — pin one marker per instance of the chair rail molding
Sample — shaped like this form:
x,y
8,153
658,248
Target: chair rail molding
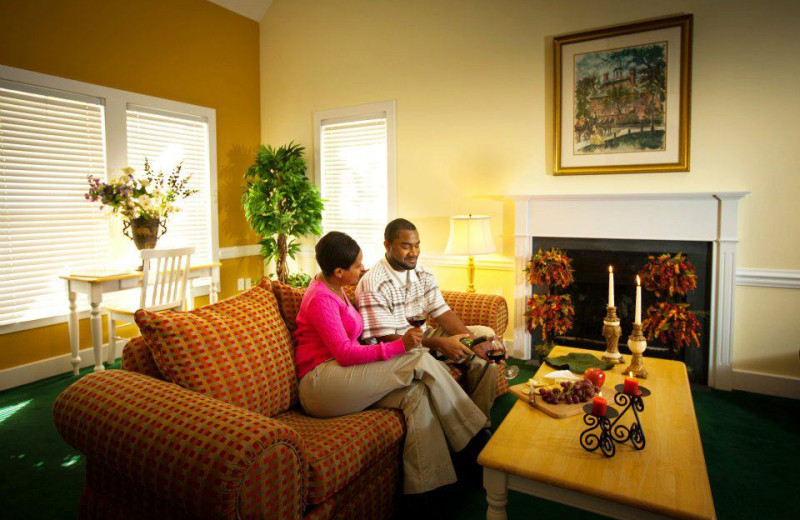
x,y
773,278
226,253
484,262
694,216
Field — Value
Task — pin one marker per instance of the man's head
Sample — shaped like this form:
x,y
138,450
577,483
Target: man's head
x,y
401,240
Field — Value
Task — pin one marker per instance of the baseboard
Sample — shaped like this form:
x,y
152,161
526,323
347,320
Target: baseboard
x,y
54,366
769,384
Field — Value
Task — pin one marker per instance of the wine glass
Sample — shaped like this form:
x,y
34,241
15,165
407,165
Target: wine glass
x,y
496,353
416,313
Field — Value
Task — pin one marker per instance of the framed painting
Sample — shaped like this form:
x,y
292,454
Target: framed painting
x,y
622,98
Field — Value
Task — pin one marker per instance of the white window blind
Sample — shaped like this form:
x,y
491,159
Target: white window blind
x,y
166,139
49,142
354,180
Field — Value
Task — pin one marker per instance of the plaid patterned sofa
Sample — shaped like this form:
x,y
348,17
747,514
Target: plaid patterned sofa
x,y
207,448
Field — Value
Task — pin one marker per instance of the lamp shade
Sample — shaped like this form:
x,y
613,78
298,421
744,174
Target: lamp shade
x,y
470,235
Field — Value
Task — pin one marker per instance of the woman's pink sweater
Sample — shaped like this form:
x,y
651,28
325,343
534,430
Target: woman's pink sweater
x,y
328,327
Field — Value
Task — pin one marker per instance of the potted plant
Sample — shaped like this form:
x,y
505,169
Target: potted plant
x,y
551,311
281,204
143,200
670,321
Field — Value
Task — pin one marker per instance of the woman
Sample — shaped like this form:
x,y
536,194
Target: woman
x,y
340,376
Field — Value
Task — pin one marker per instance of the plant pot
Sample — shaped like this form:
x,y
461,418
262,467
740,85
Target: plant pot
x,y
144,232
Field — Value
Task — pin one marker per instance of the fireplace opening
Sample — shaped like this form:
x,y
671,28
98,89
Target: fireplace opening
x,y
589,293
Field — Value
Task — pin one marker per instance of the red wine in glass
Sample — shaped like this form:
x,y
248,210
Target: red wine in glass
x,y
496,355
417,320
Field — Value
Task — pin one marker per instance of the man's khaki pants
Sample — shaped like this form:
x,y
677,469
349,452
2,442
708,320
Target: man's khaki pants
x,y
438,414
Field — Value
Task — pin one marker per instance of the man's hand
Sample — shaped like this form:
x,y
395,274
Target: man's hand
x,y
452,347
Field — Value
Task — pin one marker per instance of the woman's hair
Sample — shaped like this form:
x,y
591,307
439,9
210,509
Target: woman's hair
x,y
336,249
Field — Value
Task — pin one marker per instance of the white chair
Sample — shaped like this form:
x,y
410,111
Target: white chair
x,y
163,288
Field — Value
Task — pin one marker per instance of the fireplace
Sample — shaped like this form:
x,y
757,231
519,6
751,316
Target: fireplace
x,y
589,292
705,221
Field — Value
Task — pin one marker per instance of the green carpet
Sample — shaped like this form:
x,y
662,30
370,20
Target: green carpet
x,y
751,443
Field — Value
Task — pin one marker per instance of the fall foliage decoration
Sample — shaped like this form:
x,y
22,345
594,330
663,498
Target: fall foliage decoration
x,y
669,275
553,312
670,322
550,268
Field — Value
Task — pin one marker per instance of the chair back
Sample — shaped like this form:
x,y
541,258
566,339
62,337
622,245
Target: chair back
x,y
165,275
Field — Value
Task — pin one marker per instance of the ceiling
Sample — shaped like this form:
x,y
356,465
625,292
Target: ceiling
x,y
253,9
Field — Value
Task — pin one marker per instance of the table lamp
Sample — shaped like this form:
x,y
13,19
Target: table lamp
x,y
470,235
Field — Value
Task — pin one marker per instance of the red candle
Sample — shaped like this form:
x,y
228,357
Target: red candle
x,y
599,406
631,386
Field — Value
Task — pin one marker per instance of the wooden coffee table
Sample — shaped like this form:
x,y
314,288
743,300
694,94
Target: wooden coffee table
x,y
539,455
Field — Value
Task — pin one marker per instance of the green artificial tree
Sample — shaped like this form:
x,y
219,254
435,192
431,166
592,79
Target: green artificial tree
x,y
281,204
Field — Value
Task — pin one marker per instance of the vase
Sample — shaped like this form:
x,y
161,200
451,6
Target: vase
x,y
144,232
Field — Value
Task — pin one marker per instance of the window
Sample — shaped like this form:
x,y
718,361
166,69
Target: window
x,y
53,133
355,164
166,139
49,143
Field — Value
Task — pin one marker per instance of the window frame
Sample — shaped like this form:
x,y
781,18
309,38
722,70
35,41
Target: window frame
x,y
116,103
354,112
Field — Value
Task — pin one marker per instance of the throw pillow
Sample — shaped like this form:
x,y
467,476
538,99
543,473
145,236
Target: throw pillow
x,y
237,350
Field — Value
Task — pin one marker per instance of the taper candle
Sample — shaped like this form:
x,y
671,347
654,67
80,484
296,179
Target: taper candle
x,y
610,286
638,318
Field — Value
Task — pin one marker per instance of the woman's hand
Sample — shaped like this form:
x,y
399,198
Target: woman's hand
x,y
412,338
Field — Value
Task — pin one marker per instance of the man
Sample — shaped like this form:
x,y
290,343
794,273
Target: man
x,y
383,292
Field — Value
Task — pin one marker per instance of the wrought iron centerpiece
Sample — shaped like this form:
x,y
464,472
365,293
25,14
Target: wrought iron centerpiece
x,y
590,440
634,433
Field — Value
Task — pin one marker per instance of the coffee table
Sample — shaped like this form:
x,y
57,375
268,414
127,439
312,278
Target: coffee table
x,y
539,455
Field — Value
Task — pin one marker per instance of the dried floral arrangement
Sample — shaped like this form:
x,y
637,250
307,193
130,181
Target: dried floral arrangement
x,y
670,322
553,312
550,268
669,275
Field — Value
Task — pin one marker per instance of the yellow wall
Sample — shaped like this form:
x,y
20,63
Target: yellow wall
x,y
472,81
185,50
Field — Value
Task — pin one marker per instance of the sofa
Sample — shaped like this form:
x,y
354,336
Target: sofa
x,y
203,421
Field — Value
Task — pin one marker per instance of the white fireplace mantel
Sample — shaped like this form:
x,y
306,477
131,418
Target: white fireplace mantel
x,y
696,216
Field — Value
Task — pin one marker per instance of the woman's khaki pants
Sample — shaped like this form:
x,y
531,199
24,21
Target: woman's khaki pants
x,y
438,414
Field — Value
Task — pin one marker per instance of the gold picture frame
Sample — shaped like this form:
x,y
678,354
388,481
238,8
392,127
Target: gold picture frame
x,y
623,103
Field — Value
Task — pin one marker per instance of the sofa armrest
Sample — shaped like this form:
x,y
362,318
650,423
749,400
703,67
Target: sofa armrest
x,y
207,457
488,310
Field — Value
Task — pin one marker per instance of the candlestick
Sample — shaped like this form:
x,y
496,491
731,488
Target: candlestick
x,y
610,286
612,332
637,343
638,318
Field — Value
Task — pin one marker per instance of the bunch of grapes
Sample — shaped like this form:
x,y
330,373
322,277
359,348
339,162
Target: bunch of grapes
x,y
570,392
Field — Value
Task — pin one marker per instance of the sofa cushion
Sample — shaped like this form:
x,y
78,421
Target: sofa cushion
x,y
341,448
237,350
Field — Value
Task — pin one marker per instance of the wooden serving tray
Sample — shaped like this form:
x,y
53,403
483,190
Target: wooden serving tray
x,y
559,411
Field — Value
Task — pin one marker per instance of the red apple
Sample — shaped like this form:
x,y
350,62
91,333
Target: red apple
x,y
595,375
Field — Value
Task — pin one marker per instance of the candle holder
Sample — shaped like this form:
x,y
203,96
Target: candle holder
x,y
634,433
590,441
637,343
612,332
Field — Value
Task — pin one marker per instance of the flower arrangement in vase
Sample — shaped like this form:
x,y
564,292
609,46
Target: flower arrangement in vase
x,y
144,201
670,321
553,312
